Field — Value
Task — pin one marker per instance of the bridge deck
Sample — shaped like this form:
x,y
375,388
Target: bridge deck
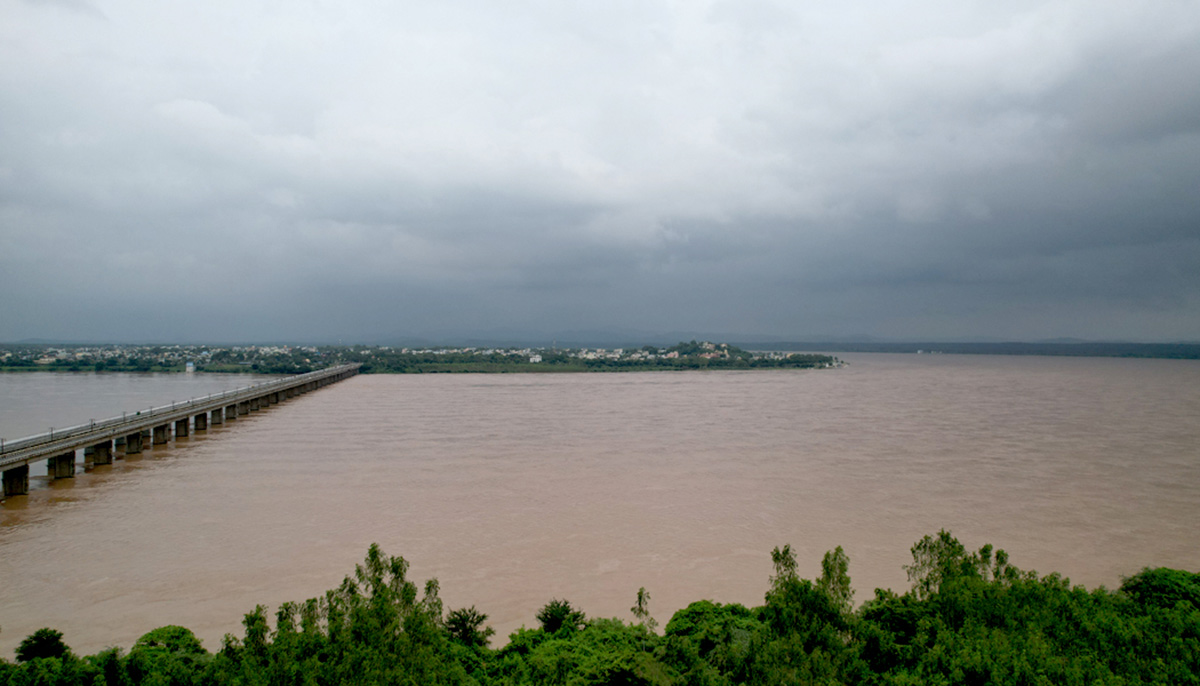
x,y
61,441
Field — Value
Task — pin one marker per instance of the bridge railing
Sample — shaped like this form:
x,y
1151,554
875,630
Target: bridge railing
x,y
142,415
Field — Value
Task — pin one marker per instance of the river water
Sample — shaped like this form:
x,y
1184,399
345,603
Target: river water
x,y
516,489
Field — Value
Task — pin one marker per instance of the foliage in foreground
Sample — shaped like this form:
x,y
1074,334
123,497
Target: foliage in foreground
x,y
969,618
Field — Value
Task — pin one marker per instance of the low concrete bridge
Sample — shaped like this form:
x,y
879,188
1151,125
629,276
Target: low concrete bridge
x,y
97,439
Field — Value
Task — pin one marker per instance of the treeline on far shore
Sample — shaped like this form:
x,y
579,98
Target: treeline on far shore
x,y
970,617
391,360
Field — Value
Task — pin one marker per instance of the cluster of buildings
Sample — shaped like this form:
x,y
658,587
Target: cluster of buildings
x,y
40,355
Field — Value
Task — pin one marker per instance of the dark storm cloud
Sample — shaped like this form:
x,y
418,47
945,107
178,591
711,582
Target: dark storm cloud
x,y
267,171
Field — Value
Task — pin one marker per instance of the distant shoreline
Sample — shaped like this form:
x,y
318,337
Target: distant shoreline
x,y
688,356
1169,351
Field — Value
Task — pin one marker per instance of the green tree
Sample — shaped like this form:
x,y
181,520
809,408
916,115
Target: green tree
x,y
606,651
710,643
785,566
172,638
558,615
42,643
465,625
1164,588
641,609
835,579
170,652
804,638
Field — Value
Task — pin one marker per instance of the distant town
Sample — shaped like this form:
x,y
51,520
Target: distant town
x,y
282,359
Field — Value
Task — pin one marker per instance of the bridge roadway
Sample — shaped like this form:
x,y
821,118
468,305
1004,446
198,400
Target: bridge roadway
x,y
58,446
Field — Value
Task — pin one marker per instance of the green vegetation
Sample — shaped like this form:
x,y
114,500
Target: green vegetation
x,y
969,618
41,644
388,360
684,356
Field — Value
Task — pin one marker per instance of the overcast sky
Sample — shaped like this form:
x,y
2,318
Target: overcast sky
x,y
237,170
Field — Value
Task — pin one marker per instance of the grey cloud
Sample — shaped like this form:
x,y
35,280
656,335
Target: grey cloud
x,y
1025,170
80,6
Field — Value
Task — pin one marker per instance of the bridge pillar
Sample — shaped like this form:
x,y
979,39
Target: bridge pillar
x,y
231,412
253,404
218,416
202,421
16,481
181,427
133,443
161,434
62,466
101,453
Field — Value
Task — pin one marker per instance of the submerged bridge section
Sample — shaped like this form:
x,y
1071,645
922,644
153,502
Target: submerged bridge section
x,y
99,440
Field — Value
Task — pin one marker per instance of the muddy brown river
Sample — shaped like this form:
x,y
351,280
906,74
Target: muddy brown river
x,y
517,488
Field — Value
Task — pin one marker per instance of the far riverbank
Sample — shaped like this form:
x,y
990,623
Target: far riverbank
x,y
692,355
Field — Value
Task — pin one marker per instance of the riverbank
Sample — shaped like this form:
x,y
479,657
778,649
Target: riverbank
x,y
390,360
969,617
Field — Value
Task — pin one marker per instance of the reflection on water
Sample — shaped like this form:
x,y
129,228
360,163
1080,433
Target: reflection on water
x,y
513,489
